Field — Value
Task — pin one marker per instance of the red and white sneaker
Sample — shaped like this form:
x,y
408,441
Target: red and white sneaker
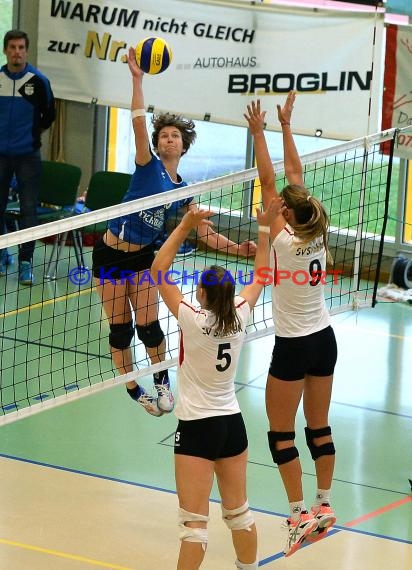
x,y
326,519
298,532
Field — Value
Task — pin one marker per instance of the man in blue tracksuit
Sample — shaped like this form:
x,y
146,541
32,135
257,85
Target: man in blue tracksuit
x,y
26,109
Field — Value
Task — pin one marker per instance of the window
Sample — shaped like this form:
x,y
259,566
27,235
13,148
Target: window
x,y
221,149
6,18
218,149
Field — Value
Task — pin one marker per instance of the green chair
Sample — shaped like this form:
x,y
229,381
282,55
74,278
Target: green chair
x,y
105,189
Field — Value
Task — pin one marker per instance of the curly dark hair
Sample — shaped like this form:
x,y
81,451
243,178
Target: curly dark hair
x,y
185,126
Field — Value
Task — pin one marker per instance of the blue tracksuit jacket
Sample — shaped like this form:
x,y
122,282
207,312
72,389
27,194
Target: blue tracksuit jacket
x,y
26,109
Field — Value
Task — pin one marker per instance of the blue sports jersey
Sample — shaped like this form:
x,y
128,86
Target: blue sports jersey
x,y
142,228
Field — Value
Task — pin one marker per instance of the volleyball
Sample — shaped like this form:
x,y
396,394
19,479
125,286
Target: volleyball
x,y
153,55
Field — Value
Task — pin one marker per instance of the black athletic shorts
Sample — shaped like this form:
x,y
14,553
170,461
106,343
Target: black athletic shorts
x,y
315,354
111,263
211,438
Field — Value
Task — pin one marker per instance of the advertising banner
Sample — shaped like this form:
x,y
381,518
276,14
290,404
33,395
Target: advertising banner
x,y
225,54
397,98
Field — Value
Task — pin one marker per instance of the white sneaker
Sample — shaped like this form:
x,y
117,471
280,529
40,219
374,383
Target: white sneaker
x,y
165,400
149,403
298,531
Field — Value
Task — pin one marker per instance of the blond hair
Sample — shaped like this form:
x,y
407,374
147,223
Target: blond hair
x,y
311,218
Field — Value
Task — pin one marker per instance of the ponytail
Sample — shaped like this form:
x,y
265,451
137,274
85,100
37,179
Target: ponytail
x,y
311,218
220,297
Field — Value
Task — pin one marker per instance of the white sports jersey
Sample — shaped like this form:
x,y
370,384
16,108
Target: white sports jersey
x,y
299,271
207,364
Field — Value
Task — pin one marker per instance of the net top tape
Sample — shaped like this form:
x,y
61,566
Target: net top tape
x,y
81,220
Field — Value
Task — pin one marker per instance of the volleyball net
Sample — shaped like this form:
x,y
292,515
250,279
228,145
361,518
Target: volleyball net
x,y
54,335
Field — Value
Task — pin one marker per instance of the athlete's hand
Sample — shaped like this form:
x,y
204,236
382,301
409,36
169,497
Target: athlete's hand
x,y
275,208
285,112
246,248
255,117
194,217
132,63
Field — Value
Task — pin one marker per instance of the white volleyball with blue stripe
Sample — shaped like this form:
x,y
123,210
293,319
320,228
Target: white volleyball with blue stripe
x,y
153,55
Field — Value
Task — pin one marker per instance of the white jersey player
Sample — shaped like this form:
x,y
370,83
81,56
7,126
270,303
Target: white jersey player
x,y
211,436
305,351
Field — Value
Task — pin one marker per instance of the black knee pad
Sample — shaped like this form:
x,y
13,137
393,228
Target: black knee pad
x,y
121,335
151,335
317,451
281,456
